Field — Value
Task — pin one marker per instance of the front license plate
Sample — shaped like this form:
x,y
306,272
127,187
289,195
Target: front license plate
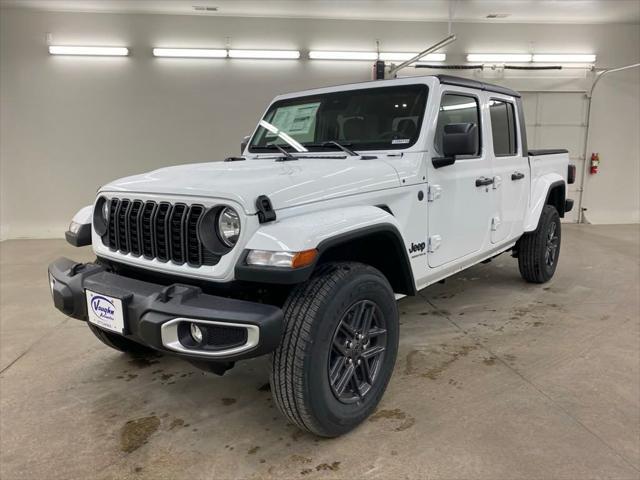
x,y
105,311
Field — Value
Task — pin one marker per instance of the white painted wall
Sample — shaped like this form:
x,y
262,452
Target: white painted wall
x,y
68,125
613,196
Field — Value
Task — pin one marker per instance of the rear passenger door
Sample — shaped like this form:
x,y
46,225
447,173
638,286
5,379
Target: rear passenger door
x,y
510,169
459,212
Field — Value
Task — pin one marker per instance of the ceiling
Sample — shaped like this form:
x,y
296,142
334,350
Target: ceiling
x,y
517,11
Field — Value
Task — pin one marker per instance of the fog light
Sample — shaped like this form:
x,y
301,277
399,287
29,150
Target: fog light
x,y
196,333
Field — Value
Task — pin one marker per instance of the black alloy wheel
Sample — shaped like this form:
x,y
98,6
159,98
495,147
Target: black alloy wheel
x,y
553,242
358,348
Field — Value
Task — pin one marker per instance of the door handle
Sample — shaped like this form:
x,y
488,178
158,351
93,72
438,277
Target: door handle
x,y
483,181
517,176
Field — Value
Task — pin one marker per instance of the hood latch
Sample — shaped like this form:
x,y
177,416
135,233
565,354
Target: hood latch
x,y
266,213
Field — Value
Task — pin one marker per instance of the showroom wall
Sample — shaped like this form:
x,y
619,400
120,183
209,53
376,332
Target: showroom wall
x,y
69,125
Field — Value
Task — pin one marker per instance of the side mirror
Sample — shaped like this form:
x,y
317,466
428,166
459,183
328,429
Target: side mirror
x,y
243,144
458,139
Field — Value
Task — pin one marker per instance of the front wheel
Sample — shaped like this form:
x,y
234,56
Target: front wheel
x,y
538,251
338,349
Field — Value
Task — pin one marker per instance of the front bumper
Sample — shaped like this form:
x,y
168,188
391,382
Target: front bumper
x,y
154,314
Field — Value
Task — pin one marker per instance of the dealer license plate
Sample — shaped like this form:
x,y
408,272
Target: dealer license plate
x,y
105,311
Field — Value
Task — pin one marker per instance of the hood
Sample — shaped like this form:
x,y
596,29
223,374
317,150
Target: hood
x,y
287,184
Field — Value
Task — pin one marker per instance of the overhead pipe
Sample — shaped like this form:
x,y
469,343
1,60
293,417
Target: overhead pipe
x,y
482,67
601,74
393,71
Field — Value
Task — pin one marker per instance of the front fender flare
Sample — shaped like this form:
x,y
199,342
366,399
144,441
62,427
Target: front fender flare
x,y
84,215
81,237
307,231
321,230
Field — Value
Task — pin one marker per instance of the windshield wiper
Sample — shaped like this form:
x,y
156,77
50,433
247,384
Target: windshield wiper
x,y
346,150
333,143
287,156
271,146
343,147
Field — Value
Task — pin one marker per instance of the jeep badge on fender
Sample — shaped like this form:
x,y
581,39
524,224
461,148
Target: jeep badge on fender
x,y
417,248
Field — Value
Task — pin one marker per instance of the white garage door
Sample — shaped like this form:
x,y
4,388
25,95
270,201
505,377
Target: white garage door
x,y
558,120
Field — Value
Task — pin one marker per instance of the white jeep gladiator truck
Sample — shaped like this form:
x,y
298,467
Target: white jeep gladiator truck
x,y
344,199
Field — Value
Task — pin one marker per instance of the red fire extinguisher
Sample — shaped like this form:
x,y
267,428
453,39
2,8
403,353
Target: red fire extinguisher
x,y
595,163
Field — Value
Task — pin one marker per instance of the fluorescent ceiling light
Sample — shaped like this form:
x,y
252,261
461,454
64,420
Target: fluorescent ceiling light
x,y
324,55
404,56
99,51
459,106
274,54
499,57
564,58
190,52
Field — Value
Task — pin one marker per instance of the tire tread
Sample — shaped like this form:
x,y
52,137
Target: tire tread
x,y
531,249
287,368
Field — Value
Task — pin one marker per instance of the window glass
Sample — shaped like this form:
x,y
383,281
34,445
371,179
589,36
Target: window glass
x,y
368,119
456,108
297,120
503,127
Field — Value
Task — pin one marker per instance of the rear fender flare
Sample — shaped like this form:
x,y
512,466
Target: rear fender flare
x,y
540,191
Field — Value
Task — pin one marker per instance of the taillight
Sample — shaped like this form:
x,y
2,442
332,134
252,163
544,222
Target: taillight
x,y
571,174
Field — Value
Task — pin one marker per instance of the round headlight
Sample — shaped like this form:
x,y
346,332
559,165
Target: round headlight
x,y
105,211
228,226
101,216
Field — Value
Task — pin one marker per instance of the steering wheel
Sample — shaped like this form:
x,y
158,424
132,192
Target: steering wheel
x,y
392,135
389,135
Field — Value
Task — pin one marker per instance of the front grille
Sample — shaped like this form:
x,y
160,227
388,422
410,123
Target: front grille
x,y
164,231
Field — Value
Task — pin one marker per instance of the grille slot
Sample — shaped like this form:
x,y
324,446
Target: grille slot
x,y
161,225
176,235
162,231
194,247
135,227
111,224
146,229
121,225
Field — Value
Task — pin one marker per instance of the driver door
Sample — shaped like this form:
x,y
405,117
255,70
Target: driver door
x,y
459,212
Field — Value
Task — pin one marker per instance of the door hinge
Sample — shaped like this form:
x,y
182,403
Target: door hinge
x,y
433,192
495,223
434,243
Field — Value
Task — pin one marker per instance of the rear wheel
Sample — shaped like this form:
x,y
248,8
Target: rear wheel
x,y
118,342
538,251
338,350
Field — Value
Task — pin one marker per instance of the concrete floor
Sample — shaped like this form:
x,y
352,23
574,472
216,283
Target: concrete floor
x,y
495,379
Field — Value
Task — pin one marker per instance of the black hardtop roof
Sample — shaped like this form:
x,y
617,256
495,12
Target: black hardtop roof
x,y
468,83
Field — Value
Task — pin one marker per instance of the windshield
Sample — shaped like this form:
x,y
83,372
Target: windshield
x,y
379,118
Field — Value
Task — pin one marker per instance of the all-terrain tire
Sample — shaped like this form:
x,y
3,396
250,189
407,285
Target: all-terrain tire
x,y
118,342
538,251
315,315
